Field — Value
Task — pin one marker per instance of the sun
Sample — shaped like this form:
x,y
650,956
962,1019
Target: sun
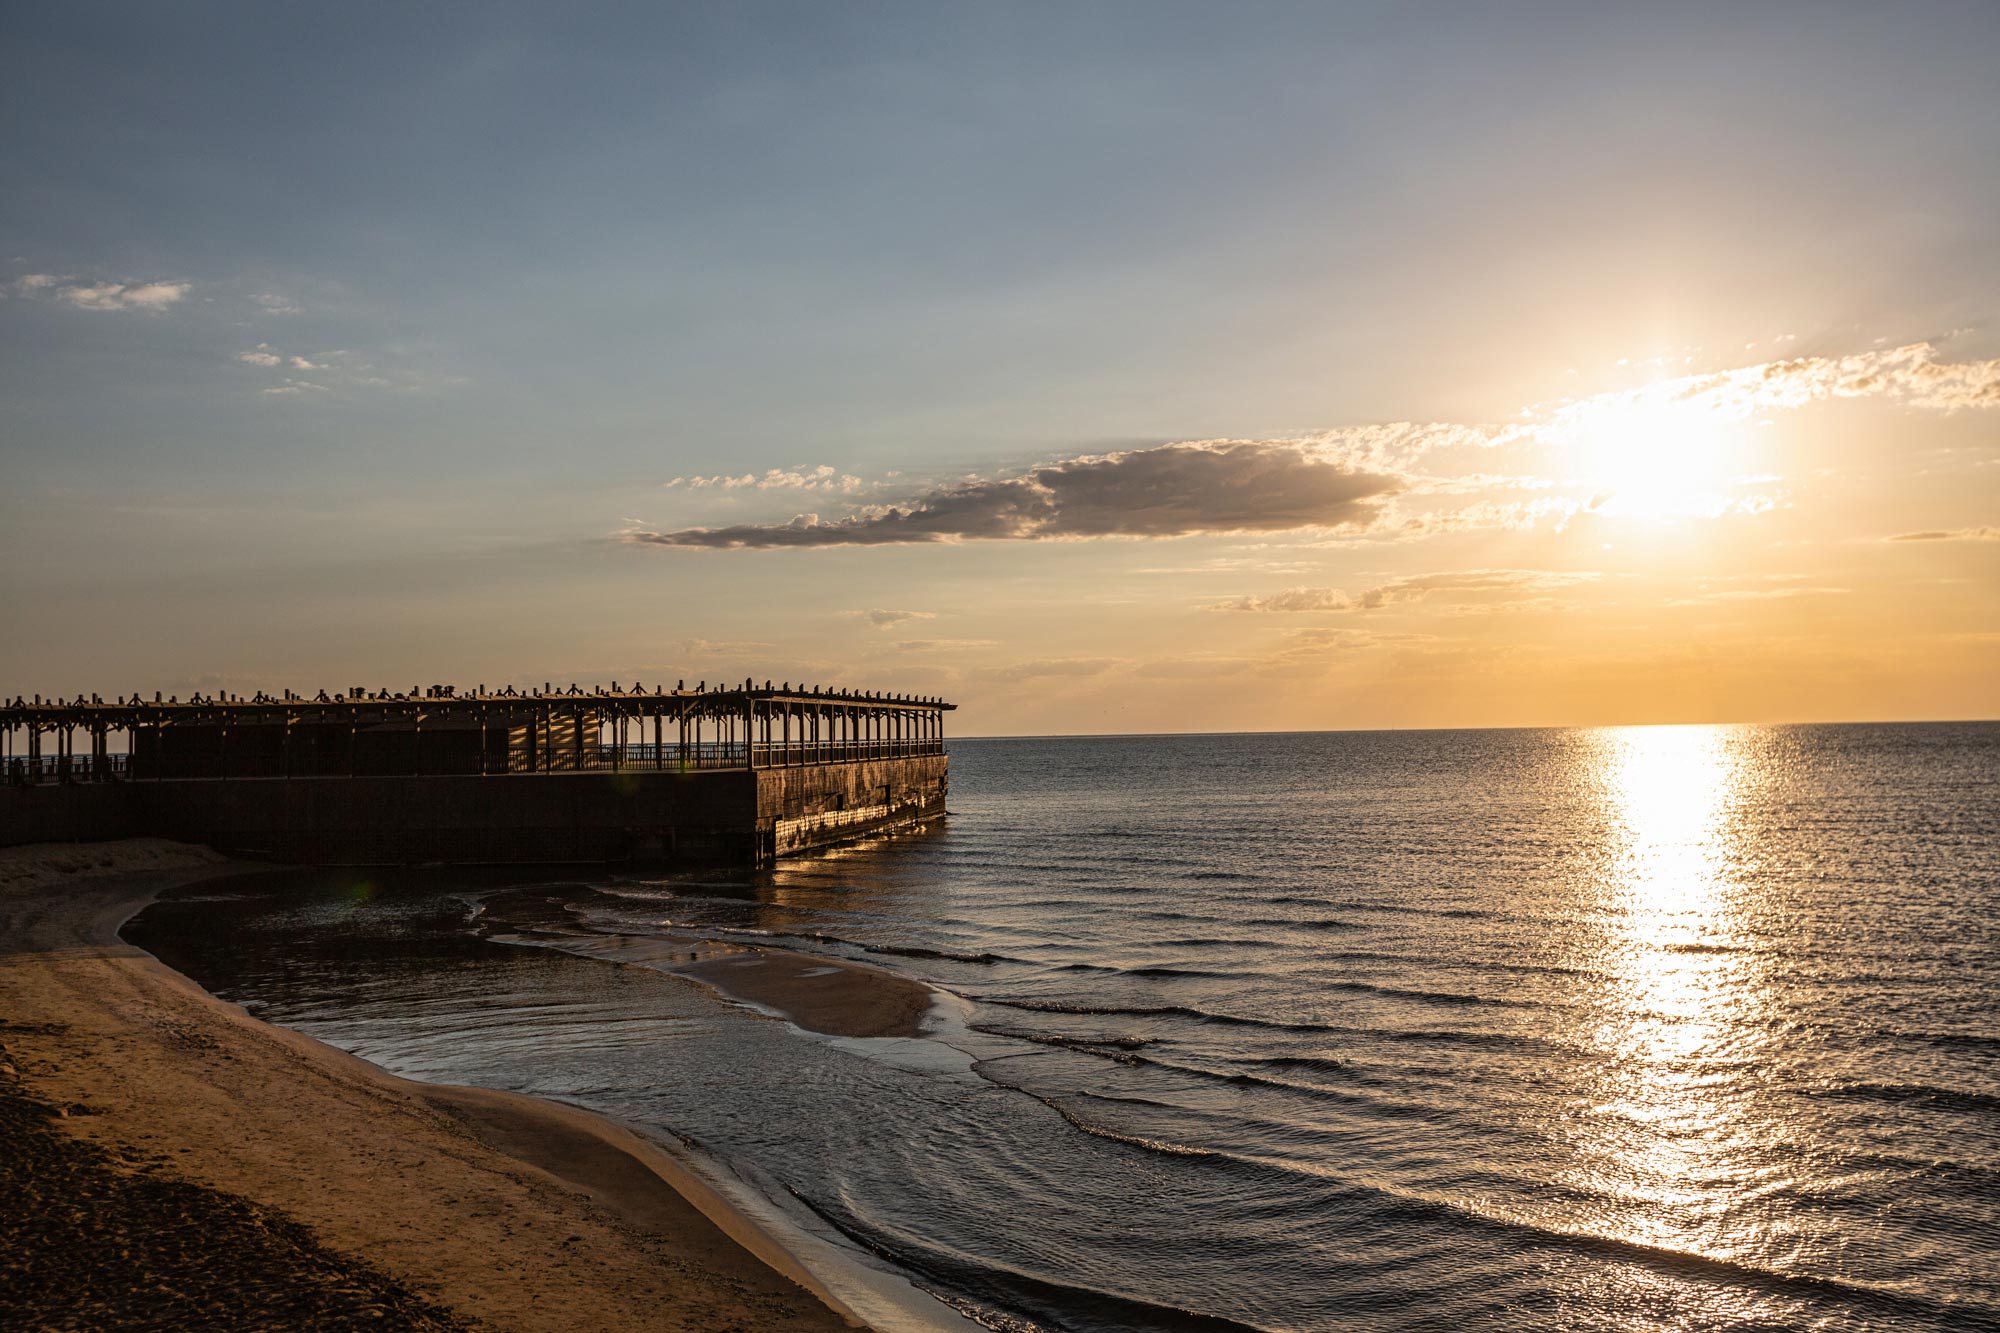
x,y
1645,455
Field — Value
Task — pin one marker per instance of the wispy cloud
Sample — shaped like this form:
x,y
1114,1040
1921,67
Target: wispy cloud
x,y
92,294
882,618
1757,594
152,296
1055,666
1489,585
1169,491
720,647
821,478
335,371
1196,668
1949,535
1912,373
272,303
944,645
1339,485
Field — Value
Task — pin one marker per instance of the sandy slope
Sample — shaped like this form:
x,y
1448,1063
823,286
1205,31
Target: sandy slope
x,y
501,1210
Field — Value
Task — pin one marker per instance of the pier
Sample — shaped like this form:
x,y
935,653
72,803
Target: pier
x,y
740,774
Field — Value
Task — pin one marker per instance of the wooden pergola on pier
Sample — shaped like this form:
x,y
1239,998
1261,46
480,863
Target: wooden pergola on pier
x,y
442,731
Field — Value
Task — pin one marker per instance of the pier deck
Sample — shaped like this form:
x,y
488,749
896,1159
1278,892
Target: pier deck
x,y
743,774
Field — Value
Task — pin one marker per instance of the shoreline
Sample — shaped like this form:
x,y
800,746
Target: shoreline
x,y
508,1210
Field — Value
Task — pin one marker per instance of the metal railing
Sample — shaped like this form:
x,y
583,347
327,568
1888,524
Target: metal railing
x,y
777,754
695,756
25,772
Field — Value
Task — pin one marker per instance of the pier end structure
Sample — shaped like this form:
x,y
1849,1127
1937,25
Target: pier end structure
x,y
742,774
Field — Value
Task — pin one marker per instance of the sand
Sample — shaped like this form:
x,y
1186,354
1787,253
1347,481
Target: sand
x,y
839,998
186,1166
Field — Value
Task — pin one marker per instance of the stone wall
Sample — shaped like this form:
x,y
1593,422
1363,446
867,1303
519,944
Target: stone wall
x,y
721,815
818,804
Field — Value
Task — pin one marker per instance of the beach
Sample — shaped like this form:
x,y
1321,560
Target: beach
x,y
185,1165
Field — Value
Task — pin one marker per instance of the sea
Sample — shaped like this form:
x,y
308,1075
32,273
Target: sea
x,y
1625,1029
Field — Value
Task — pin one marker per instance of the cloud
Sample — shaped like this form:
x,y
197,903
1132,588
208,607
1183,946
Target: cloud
x,y
1489,585
147,296
335,371
1320,639
1172,490
274,304
1755,595
1340,483
1949,535
1911,373
719,647
89,295
1056,666
85,294
883,619
944,645
1291,599
821,478
1196,668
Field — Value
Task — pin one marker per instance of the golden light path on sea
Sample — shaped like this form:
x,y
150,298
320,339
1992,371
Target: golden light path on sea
x,y
1669,1134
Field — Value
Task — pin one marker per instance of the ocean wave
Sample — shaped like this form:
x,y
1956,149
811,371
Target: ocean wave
x,y
1153,1011
1923,1095
987,1282
1952,1041
1245,1078
1162,971
1422,1036
1401,1207
1117,1048
918,951
1430,996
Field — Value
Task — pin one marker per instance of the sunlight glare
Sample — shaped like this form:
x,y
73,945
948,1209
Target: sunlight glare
x,y
1646,455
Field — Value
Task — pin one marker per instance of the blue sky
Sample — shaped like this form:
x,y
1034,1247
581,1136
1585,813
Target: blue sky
x,y
363,339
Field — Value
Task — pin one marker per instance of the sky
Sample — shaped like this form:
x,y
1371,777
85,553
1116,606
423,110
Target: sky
x,y
1101,368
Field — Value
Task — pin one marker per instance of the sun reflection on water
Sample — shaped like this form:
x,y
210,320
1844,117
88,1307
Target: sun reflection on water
x,y
1664,1131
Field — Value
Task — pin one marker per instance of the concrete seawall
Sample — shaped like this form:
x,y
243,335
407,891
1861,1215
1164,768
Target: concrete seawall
x,y
738,815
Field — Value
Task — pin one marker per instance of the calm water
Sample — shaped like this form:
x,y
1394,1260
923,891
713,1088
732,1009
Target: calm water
x,y
1636,1029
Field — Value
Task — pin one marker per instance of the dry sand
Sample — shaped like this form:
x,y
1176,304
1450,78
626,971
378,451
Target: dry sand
x,y
183,1165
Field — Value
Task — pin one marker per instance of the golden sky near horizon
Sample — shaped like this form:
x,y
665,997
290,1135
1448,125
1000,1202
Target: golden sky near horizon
x,y
1130,370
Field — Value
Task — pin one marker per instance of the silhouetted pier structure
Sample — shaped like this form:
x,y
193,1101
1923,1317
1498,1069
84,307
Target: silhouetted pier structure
x,y
737,773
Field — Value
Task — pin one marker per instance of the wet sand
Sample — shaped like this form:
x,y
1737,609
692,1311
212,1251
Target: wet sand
x,y
192,1161
839,998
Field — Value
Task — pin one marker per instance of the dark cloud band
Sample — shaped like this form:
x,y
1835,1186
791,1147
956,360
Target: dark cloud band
x,y
1174,490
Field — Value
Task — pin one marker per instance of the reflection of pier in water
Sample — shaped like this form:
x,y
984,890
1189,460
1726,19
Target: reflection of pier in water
x,y
743,773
